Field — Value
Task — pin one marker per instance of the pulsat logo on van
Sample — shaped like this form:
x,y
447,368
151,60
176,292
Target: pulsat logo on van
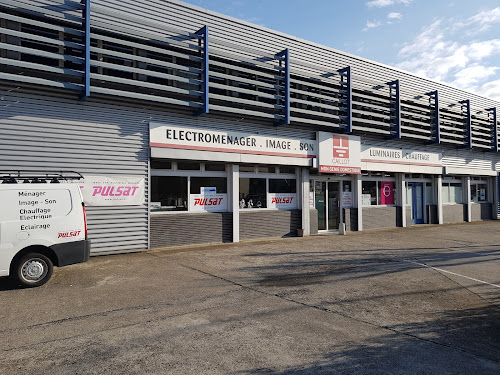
x,y
73,233
110,191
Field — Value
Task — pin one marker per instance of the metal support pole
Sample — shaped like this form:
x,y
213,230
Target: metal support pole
x,y
234,176
347,90
306,218
396,131
86,52
439,187
401,192
434,104
493,113
467,197
285,55
206,69
468,127
358,191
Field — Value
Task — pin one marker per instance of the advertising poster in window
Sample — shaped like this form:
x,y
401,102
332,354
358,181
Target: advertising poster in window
x,y
112,191
339,153
387,192
207,201
283,201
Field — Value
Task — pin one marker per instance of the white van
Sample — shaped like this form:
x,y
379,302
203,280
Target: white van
x,y
42,224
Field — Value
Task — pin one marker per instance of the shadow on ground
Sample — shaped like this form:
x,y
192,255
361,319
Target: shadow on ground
x,y
409,353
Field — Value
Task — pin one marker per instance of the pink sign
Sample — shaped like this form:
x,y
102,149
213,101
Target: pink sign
x,y
387,192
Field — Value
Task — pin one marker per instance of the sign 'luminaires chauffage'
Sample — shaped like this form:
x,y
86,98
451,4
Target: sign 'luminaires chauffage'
x,y
170,136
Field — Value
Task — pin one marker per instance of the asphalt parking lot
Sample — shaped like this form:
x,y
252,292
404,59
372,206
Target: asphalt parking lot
x,y
420,300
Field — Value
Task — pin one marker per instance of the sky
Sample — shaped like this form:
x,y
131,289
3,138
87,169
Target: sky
x,y
451,41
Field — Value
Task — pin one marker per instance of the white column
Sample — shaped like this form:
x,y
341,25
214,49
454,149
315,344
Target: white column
x,y
357,201
493,197
304,189
467,197
401,191
234,201
439,187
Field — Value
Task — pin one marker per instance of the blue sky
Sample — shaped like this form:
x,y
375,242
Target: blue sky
x,y
451,41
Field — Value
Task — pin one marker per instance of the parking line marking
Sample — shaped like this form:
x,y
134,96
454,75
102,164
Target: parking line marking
x,y
453,273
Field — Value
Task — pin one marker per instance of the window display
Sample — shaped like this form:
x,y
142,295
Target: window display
x,y
478,191
378,193
452,192
253,193
169,193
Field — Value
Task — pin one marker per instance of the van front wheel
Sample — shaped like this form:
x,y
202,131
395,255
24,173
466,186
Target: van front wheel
x,y
34,269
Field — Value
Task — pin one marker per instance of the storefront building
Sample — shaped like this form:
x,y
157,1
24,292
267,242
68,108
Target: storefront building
x,y
193,127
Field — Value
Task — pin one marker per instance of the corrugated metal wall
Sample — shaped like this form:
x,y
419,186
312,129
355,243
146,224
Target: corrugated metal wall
x,y
37,133
190,228
253,41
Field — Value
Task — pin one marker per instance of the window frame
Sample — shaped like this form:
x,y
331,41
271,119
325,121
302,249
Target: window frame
x,y
174,172
375,177
276,175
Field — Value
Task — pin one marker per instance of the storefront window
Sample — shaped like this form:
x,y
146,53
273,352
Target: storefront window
x,y
282,186
287,170
197,183
266,169
247,168
161,164
215,167
369,196
429,196
188,166
253,193
452,192
169,193
378,193
478,191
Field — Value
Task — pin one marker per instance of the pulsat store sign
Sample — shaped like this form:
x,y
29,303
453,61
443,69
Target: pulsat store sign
x,y
169,136
339,153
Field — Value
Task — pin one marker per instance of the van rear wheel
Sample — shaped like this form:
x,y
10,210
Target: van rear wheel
x,y
34,269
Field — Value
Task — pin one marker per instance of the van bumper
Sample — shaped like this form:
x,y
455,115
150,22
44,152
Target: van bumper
x,y
72,252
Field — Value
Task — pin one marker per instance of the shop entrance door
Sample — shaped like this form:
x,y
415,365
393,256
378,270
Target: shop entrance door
x,y
326,199
417,202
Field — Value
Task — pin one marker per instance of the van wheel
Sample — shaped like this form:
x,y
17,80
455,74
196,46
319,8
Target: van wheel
x,y
34,269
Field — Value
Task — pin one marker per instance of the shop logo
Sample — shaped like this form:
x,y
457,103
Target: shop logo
x,y
281,200
207,201
341,146
110,191
72,233
387,190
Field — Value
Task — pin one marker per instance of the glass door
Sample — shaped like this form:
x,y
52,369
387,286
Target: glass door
x,y
326,201
333,205
417,202
320,203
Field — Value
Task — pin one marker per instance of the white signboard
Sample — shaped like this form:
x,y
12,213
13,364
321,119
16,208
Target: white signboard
x,y
208,200
282,201
400,156
346,199
180,137
339,153
112,191
366,199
